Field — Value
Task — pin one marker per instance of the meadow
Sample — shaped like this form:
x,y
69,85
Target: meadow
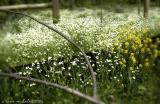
x,y
123,49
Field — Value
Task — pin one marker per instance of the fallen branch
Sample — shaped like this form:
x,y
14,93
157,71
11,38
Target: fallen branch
x,y
69,90
25,6
69,40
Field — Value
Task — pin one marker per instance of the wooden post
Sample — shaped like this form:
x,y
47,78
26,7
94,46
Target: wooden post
x,y
146,8
55,11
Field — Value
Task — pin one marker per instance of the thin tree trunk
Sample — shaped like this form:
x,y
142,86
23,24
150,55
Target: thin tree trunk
x,y
139,7
55,11
146,8
71,4
158,2
101,12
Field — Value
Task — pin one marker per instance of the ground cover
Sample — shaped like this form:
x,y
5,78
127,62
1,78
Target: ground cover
x,y
125,56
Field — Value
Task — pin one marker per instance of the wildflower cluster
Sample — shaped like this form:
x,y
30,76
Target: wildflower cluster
x,y
30,40
119,50
130,55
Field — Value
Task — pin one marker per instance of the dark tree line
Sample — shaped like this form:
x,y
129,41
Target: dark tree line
x,y
64,3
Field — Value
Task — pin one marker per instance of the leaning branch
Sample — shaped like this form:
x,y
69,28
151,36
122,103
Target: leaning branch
x,y
69,90
69,40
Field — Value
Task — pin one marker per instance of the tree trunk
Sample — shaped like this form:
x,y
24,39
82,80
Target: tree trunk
x,y
101,12
158,2
146,8
71,4
139,7
55,11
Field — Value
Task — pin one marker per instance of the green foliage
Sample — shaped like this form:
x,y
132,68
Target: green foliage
x,y
124,58
64,2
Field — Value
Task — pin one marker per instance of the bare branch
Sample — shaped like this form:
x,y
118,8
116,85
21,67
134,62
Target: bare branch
x,y
69,90
69,40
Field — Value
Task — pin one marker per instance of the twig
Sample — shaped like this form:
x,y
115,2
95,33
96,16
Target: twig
x,y
69,40
69,90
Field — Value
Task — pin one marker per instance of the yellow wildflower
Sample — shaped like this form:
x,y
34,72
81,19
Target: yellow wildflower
x,y
141,45
158,40
132,58
121,63
126,51
126,44
142,50
122,50
123,60
131,68
140,65
133,47
132,54
148,49
146,60
146,64
112,49
155,54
